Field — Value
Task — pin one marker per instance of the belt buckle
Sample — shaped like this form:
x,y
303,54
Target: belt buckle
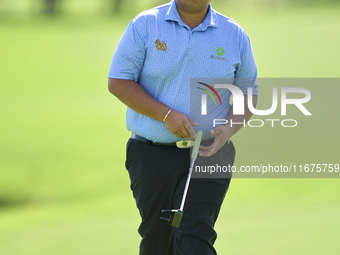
x,y
183,144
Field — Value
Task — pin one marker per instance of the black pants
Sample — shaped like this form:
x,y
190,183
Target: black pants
x,y
158,175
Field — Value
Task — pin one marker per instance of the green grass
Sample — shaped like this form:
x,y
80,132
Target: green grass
x,y
63,186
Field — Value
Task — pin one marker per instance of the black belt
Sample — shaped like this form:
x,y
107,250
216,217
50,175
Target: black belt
x,y
144,140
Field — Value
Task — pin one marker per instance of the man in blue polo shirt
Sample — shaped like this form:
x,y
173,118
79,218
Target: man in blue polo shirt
x,y
159,52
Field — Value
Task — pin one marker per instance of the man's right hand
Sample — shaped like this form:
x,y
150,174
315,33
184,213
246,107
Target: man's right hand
x,y
180,125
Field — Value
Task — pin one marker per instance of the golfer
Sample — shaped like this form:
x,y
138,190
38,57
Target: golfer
x,y
151,70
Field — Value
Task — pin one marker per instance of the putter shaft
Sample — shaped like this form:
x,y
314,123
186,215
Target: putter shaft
x,y
187,183
175,217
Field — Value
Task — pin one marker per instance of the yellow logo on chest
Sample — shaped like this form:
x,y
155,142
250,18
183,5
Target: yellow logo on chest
x,y
160,45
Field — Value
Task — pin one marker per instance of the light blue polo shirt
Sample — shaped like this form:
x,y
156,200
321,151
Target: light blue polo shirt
x,y
162,54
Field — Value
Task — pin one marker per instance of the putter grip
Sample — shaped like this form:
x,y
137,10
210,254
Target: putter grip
x,y
197,144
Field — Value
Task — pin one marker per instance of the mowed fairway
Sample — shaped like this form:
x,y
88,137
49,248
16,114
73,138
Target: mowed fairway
x,y
63,185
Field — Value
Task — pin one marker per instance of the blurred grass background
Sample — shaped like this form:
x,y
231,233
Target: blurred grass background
x,y
63,185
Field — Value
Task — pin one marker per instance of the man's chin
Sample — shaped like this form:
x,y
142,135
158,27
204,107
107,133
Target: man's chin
x,y
197,4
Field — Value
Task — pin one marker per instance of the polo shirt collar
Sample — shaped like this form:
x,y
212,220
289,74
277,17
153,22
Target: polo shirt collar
x,y
209,21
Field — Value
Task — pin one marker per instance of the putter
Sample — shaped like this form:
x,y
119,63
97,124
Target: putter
x,y
175,215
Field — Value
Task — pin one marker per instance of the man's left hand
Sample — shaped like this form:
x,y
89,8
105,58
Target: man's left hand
x,y
222,135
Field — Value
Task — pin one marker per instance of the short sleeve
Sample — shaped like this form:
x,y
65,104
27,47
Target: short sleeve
x,y
128,58
246,72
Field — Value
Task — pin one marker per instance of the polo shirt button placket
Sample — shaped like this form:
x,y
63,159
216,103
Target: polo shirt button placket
x,y
189,45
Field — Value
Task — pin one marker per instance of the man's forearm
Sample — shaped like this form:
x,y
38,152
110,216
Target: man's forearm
x,y
135,97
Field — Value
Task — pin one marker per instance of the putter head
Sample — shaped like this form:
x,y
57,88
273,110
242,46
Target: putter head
x,y
172,217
